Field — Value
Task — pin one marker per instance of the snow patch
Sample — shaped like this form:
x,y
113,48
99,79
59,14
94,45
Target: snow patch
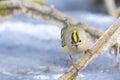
x,y
81,75
57,76
38,30
41,77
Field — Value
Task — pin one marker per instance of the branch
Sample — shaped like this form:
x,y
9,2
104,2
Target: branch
x,y
44,13
112,8
91,53
40,2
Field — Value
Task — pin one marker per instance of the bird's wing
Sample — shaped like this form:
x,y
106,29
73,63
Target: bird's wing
x,y
63,34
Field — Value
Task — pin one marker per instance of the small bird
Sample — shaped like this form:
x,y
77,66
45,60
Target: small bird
x,y
74,40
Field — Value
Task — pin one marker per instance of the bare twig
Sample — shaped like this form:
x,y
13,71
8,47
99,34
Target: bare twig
x,y
112,8
50,15
91,53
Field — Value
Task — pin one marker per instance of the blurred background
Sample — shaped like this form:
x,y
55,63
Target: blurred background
x,y
78,5
30,49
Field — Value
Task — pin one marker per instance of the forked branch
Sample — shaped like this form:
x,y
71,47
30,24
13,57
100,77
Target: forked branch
x,y
41,12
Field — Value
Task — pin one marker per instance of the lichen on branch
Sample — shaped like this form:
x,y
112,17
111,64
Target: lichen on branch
x,y
3,9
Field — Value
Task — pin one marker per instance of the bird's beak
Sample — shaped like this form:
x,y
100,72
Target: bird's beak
x,y
76,46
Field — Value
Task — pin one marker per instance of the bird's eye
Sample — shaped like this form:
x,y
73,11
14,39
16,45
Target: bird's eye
x,y
80,41
72,42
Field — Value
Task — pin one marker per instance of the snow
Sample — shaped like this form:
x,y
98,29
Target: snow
x,y
31,50
56,76
41,77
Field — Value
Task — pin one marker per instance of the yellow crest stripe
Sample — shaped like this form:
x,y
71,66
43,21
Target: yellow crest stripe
x,y
75,36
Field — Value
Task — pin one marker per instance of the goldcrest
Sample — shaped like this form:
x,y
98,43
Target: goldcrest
x,y
74,40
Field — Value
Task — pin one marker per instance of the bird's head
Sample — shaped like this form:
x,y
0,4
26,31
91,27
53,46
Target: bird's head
x,y
75,39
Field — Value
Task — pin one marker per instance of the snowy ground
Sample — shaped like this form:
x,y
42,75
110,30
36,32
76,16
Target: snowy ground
x,y
31,50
